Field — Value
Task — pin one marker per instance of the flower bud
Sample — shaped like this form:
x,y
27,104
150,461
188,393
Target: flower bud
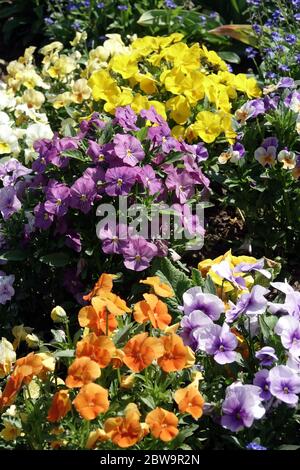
x,y
58,314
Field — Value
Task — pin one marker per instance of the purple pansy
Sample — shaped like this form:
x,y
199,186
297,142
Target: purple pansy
x,y
11,170
120,180
266,356
195,299
95,151
72,240
98,176
182,183
152,115
126,118
147,177
57,198
139,253
253,303
43,219
242,405
82,194
261,379
284,384
6,287
128,149
9,202
114,241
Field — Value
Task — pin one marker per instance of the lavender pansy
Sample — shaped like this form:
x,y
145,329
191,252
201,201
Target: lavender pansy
x,y
266,356
210,304
261,379
253,303
242,405
218,342
9,202
288,328
284,384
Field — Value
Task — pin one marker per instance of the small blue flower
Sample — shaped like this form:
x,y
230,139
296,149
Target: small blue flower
x,y
251,53
170,4
49,21
255,446
290,39
122,7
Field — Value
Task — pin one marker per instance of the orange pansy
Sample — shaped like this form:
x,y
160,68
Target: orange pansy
x,y
98,435
160,288
96,319
82,371
117,359
60,406
112,302
189,400
11,389
91,401
28,367
163,424
125,431
175,354
104,284
141,350
154,310
98,348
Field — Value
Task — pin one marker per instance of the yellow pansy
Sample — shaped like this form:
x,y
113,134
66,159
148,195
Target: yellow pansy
x,y
7,357
103,85
10,432
178,132
213,58
207,126
247,85
53,46
125,65
180,109
62,66
122,97
80,91
139,102
33,98
147,83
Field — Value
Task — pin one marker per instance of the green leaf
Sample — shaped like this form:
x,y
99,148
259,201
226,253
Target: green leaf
x,y
142,133
57,260
76,155
65,353
267,325
240,32
197,278
288,447
231,57
209,286
13,255
172,275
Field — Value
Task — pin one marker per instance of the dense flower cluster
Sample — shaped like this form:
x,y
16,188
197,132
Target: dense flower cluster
x,y
132,156
275,23
131,372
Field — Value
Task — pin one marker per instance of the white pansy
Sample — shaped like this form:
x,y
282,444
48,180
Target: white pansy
x,y
8,141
